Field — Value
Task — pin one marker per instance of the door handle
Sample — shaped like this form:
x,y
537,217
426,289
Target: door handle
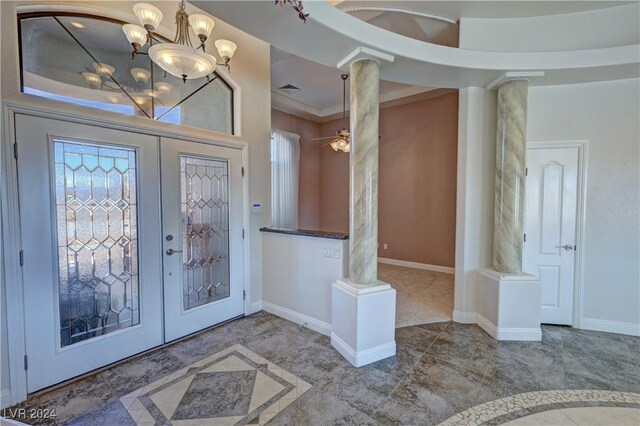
x,y
170,252
567,247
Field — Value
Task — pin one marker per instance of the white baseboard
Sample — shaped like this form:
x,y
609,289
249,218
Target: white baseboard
x,y
610,326
509,333
293,316
5,398
464,317
358,359
416,265
255,307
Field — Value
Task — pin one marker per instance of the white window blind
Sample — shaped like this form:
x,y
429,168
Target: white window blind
x,y
285,159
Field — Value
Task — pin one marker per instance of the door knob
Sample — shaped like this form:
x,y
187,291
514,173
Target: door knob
x,y
567,247
170,252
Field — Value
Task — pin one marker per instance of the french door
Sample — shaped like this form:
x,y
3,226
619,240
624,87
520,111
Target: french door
x,y
120,257
202,229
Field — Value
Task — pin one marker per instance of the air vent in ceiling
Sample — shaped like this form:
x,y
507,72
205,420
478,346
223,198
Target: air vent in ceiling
x,y
288,88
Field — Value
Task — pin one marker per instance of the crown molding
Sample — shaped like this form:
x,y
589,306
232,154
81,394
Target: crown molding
x,y
362,53
514,75
399,97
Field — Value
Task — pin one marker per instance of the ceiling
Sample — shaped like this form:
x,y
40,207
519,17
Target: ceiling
x,y
320,94
454,10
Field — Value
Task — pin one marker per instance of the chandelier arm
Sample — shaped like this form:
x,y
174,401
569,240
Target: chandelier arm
x,y
193,93
153,97
95,60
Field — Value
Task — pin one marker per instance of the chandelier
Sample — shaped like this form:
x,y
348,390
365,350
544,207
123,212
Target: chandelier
x,y
179,58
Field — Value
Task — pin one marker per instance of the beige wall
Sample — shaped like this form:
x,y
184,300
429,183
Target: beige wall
x,y
417,204
418,156
309,186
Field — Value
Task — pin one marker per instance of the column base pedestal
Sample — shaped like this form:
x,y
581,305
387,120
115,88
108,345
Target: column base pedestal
x,y
364,321
508,306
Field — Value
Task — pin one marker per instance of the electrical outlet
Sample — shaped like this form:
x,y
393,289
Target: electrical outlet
x,y
384,246
333,252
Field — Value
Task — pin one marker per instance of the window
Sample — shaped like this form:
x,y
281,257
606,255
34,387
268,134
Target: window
x,y
86,60
285,159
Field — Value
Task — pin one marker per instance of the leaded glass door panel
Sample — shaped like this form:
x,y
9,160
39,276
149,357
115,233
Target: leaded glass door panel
x,y
92,272
202,224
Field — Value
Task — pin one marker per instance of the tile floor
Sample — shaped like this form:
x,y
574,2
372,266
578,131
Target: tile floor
x,y
440,370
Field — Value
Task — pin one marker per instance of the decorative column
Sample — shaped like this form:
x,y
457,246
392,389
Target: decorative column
x,y
511,146
508,301
363,172
363,308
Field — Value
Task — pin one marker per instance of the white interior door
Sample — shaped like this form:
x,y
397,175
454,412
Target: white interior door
x,y
91,236
549,253
202,229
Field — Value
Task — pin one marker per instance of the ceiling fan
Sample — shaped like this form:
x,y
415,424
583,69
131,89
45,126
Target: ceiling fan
x,y
342,139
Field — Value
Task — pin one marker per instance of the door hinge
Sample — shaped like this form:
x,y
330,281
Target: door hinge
x,y
244,294
525,237
26,362
242,233
243,172
526,171
21,258
15,150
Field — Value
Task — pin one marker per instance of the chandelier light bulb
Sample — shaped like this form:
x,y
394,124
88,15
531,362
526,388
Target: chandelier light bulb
x,y
136,35
140,75
113,99
148,15
103,69
226,48
202,25
150,93
163,87
92,79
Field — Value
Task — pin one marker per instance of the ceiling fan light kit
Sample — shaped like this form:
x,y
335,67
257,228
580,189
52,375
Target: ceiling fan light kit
x,y
178,58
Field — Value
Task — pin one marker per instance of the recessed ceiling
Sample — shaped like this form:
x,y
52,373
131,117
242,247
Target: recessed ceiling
x,y
320,86
454,10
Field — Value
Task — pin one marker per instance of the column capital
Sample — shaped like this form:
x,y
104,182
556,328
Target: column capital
x,y
514,75
362,53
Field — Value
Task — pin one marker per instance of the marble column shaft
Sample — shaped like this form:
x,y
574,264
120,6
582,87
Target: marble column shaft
x,y
510,177
363,216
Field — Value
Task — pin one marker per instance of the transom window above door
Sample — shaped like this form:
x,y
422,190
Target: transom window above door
x,y
88,61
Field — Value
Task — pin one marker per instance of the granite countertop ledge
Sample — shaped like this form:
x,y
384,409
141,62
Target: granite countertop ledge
x,y
307,233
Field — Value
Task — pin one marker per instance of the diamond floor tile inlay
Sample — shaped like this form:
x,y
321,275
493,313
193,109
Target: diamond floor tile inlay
x,y
232,386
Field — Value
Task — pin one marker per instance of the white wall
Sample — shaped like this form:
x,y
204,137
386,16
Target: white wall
x,y
301,291
615,26
475,189
251,70
605,114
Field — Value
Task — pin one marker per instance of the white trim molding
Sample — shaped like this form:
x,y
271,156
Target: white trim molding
x,y
464,317
509,333
358,359
362,53
302,319
5,399
254,307
416,265
628,328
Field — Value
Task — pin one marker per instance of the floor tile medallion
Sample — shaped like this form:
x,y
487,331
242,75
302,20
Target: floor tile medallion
x,y
523,405
232,386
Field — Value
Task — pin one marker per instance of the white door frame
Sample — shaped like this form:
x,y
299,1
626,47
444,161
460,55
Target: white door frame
x,y
12,244
581,209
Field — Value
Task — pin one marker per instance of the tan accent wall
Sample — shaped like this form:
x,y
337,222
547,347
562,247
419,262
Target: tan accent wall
x,y
417,188
309,185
